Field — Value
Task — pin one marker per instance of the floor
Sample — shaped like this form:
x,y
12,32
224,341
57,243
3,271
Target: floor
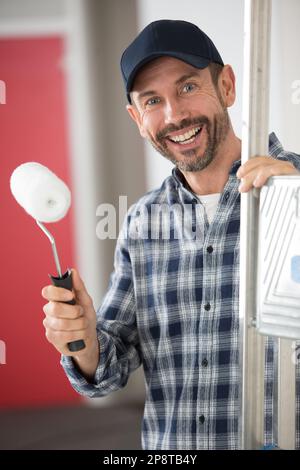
x,y
80,427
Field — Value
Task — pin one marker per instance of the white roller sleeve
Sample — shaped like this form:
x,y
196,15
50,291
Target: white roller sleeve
x,y
40,192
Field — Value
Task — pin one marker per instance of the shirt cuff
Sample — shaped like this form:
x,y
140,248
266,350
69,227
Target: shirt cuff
x,y
77,380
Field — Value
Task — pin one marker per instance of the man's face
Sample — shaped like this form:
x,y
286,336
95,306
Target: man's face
x,y
178,109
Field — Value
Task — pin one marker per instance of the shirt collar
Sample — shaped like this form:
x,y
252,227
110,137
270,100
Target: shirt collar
x,y
181,181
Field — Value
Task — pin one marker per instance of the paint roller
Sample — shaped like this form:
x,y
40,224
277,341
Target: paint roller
x,y
46,198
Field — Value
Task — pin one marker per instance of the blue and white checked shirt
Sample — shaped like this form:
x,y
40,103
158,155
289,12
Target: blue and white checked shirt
x,y
172,306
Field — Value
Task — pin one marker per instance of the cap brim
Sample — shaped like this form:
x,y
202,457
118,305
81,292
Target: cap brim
x,y
194,60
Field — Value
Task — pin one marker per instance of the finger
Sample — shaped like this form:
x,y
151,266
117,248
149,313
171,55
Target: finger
x,y
61,310
257,177
256,181
66,325
276,169
253,179
60,339
252,163
57,294
81,293
279,167
244,186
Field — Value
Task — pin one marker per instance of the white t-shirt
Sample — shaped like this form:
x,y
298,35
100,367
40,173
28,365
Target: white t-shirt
x,y
210,203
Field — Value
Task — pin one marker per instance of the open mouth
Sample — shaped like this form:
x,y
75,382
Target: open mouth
x,y
188,137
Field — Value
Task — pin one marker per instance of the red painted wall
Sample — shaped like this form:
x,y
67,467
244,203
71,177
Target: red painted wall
x,y
33,127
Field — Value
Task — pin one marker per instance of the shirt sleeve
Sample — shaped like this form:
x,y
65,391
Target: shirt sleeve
x,y
276,150
291,157
116,328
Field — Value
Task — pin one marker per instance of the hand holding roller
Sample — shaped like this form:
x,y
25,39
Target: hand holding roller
x,y
47,199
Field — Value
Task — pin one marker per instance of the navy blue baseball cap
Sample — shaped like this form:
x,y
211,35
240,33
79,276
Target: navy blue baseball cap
x,y
175,38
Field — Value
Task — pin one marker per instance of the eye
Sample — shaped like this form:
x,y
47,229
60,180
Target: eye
x,y
188,87
152,101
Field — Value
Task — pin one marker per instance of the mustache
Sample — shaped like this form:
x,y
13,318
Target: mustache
x,y
199,121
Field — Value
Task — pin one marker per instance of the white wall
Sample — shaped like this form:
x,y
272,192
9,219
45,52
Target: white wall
x,y
285,71
223,22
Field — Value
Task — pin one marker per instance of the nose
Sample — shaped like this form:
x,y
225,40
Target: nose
x,y
175,111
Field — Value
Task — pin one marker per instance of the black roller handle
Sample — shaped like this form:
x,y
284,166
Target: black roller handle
x,y
65,281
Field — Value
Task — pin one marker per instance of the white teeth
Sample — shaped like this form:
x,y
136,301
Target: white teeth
x,y
186,138
187,141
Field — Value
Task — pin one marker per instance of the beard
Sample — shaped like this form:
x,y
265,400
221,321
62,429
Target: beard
x,y
216,129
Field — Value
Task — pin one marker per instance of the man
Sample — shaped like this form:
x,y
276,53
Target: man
x,y
172,304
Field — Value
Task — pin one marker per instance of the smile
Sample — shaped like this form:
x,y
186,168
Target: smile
x,y
186,138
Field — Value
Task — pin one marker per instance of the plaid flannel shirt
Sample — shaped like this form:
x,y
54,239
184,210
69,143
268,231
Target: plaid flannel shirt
x,y
173,306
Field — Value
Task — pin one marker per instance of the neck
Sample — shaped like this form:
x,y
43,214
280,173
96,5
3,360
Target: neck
x,y
214,177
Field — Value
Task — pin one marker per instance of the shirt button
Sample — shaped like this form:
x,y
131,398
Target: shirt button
x,y
202,419
209,249
204,362
207,306
227,194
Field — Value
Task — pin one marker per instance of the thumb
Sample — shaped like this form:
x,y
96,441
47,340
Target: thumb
x,y
81,294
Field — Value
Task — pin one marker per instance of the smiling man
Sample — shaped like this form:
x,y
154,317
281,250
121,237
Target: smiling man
x,y
185,117
172,303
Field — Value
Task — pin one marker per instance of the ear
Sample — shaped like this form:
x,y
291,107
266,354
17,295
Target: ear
x,y
135,115
227,85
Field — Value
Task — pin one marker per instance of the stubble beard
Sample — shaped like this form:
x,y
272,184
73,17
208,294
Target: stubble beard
x,y
216,130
